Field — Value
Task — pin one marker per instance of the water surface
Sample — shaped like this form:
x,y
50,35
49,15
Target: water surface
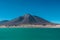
x,y
29,33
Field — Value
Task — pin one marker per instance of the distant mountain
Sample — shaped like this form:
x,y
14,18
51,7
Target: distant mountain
x,y
3,22
28,19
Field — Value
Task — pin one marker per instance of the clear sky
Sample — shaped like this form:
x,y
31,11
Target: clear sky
x,y
47,9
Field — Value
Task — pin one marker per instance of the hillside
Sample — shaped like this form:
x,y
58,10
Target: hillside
x,y
27,19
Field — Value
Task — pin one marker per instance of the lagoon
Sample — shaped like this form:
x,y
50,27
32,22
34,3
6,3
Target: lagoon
x,y
29,33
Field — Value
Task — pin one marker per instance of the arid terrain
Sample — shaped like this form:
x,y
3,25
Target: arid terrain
x,y
32,26
28,21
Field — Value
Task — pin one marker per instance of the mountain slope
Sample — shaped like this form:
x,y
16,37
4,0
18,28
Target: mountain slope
x,y
28,19
3,22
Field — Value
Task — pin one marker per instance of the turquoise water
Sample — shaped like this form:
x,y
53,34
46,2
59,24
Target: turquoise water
x,y
29,34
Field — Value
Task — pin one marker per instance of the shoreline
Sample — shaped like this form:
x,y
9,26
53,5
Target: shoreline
x,y
31,26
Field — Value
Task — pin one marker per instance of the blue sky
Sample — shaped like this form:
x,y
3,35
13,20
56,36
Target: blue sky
x,y
47,9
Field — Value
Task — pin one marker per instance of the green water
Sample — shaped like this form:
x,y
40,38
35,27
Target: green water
x,y
29,34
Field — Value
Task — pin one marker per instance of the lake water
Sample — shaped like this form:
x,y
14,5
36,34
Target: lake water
x,y
29,33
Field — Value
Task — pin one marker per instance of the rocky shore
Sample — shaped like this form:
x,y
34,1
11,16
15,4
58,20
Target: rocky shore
x,y
31,26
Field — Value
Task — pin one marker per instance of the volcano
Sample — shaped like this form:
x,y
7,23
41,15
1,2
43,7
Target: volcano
x,y
28,19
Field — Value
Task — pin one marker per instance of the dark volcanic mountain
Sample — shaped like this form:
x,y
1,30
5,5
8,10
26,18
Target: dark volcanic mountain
x,y
28,19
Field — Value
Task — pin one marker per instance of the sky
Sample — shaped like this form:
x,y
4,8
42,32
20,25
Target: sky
x,y
47,9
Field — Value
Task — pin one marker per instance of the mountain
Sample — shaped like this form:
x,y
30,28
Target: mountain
x,y
28,19
3,22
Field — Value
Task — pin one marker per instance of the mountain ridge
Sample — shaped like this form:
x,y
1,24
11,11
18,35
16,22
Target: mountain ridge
x,y
27,19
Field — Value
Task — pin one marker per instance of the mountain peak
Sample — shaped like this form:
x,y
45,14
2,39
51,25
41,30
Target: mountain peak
x,y
27,15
